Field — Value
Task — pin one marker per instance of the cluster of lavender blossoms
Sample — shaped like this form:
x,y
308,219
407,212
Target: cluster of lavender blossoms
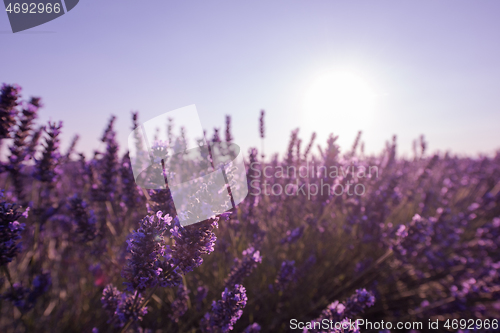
x,y
10,230
25,298
47,167
9,96
286,275
121,306
243,267
226,311
180,304
85,219
343,311
191,243
146,246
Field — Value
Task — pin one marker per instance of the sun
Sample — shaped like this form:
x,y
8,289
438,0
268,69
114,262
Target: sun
x,y
338,101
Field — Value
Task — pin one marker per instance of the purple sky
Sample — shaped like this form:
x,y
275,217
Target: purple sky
x,y
434,64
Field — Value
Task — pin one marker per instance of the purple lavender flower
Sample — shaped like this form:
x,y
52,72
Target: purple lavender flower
x,y
17,295
243,267
305,268
180,304
332,151
201,294
356,143
261,124
254,328
191,242
47,168
309,146
161,200
35,137
109,300
229,137
262,132
146,246
291,145
338,312
10,231
298,146
19,149
292,235
108,171
41,284
225,312
216,137
121,307
9,94
85,219
410,240
286,275
25,298
129,191
127,309
358,302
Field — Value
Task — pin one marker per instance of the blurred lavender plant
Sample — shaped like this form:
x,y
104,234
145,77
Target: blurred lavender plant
x,y
10,230
47,168
120,306
19,150
191,243
146,246
85,219
180,304
226,311
286,275
9,95
340,311
253,328
25,298
243,267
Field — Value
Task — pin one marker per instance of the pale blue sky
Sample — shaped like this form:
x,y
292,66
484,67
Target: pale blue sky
x,y
434,65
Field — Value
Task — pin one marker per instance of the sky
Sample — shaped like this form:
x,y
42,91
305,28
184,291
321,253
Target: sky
x,y
430,67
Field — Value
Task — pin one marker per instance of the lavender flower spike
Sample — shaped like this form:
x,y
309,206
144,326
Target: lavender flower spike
x,y
85,220
286,275
243,267
254,328
47,168
10,231
191,242
9,94
25,298
180,304
120,306
146,246
225,312
340,312
359,301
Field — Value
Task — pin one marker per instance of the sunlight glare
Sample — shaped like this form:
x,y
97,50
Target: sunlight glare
x,y
339,102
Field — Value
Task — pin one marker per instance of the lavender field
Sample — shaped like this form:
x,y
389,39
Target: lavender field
x,y
326,234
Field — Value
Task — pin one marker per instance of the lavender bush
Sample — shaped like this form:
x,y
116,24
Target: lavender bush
x,y
323,234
